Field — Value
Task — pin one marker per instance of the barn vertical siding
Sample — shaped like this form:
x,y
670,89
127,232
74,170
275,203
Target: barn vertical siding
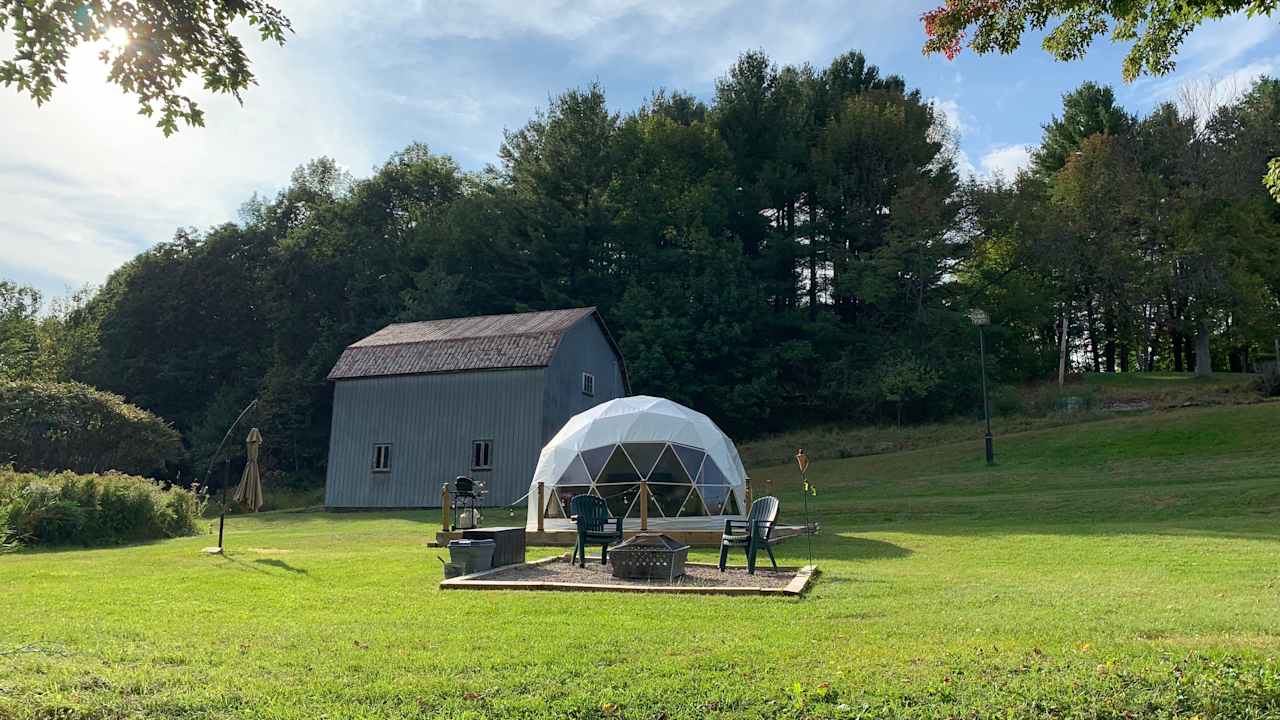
x,y
430,421
583,348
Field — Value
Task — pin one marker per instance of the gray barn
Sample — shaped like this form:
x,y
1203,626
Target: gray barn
x,y
416,404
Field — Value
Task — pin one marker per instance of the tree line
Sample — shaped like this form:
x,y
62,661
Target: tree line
x,y
1144,243
798,248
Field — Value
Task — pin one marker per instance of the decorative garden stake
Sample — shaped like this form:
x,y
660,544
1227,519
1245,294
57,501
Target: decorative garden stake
x,y
803,461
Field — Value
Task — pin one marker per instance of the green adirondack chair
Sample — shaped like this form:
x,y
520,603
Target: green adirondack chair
x,y
752,534
592,517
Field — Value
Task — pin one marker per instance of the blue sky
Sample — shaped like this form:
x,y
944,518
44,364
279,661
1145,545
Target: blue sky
x,y
85,183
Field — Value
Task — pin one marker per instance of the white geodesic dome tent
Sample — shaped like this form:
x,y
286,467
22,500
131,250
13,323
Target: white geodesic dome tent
x,y
692,468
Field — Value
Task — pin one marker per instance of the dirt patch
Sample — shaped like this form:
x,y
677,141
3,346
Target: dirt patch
x,y
1127,407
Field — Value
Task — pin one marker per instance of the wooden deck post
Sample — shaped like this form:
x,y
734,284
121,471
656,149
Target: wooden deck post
x,y
748,510
542,504
644,506
444,506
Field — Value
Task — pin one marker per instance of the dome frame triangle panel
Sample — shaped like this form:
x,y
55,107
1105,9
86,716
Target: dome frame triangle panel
x,y
640,452
618,470
594,459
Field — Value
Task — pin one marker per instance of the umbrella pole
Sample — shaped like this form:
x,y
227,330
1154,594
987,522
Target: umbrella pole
x,y
222,518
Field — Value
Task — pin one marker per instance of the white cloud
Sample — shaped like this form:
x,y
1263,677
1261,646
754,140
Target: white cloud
x,y
1236,83
88,183
85,183
964,166
1218,44
1203,94
955,117
55,228
700,39
1210,61
1005,161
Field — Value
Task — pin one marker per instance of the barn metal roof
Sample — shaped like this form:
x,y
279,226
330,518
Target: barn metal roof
x,y
486,342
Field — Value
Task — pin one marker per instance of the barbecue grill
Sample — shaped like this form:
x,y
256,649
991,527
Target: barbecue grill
x,y
466,498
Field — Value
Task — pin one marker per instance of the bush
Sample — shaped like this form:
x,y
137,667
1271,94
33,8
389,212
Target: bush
x,y
1006,400
69,426
70,509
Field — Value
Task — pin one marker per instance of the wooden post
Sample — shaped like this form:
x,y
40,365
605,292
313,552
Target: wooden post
x,y
748,510
644,505
542,504
444,506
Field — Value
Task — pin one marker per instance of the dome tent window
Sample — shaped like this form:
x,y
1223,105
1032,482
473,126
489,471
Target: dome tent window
x,y
691,468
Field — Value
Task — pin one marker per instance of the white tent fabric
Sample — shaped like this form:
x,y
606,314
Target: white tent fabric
x,y
640,420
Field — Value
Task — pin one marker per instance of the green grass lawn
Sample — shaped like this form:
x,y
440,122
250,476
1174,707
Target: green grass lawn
x,y
1015,410
1121,568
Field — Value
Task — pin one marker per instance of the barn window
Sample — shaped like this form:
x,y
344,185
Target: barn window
x,y
482,455
588,384
382,457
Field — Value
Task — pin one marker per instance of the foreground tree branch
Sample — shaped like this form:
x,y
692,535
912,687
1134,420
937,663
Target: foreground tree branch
x,y
150,48
1155,27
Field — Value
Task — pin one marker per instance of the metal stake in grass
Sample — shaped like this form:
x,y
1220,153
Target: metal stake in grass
x,y
803,461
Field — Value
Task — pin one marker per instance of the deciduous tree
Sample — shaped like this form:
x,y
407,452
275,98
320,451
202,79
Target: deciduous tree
x,y
150,48
1156,28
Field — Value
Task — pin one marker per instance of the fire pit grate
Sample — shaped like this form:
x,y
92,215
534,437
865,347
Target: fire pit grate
x,y
649,557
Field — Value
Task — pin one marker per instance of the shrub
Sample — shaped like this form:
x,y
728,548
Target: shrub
x,y
1006,400
69,426
66,509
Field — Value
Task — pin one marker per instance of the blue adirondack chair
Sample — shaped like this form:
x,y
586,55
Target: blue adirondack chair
x,y
592,517
752,534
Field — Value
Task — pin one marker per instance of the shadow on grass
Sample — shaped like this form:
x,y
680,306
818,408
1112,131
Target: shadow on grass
x,y
1260,526
426,517
235,563
55,549
850,547
281,564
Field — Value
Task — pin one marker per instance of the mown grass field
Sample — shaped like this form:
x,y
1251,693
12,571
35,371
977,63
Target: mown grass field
x,y
1121,568
1015,410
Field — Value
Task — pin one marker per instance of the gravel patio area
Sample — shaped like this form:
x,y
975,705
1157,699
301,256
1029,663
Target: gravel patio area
x,y
594,572
559,574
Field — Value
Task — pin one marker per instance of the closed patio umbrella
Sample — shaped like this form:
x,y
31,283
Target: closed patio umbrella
x,y
249,492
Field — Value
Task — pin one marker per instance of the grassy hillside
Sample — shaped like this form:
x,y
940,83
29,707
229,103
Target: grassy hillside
x,y
1097,397
1122,568
1177,466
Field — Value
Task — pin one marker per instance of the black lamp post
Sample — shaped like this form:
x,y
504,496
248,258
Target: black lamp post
x,y
981,319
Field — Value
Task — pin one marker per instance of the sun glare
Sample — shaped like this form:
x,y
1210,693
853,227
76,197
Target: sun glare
x,y
118,37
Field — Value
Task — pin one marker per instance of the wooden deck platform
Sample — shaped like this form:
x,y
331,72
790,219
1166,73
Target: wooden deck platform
x,y
698,532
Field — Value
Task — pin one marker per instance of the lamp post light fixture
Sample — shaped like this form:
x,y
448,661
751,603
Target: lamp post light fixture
x,y
802,461
981,319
